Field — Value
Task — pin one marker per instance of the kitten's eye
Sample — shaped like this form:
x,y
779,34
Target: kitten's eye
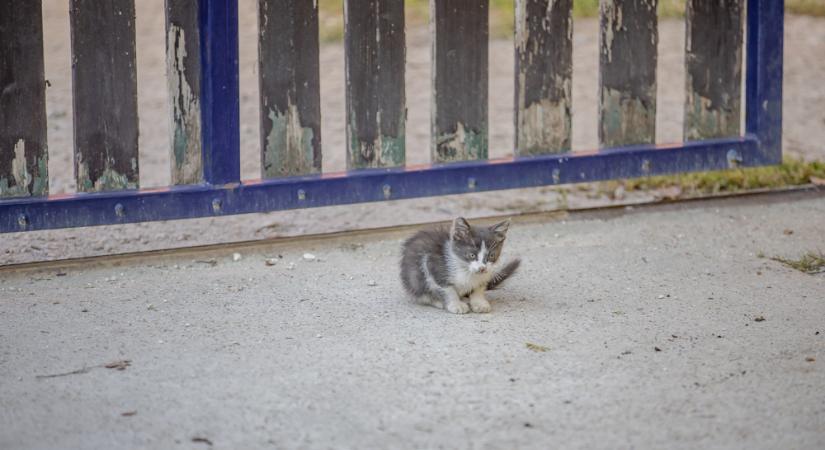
x,y
471,256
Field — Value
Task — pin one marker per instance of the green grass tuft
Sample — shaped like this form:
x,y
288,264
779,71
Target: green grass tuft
x,y
814,8
810,263
792,172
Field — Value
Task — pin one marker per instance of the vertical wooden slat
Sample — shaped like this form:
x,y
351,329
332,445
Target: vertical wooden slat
x,y
460,79
544,71
290,87
376,104
23,146
627,73
104,94
183,76
713,66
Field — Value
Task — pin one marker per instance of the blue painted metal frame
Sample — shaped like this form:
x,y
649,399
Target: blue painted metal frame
x,y
220,92
222,194
763,77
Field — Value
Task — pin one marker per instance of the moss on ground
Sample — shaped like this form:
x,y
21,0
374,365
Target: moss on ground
x,y
810,263
792,172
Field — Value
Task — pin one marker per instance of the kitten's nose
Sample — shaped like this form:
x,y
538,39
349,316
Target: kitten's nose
x,y
482,269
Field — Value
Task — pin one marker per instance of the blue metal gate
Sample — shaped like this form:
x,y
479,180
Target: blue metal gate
x,y
221,192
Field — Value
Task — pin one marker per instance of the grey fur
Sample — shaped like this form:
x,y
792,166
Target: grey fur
x,y
436,265
503,274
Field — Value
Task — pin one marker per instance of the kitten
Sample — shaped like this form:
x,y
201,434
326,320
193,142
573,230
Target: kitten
x,y
441,267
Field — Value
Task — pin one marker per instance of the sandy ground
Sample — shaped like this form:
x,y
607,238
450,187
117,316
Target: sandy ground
x,y
686,339
804,132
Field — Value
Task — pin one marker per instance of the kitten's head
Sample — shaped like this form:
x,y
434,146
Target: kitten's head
x,y
478,247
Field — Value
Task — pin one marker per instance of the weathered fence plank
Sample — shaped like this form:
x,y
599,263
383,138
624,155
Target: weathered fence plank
x,y
183,75
105,94
713,63
23,147
290,88
376,103
460,79
627,73
544,71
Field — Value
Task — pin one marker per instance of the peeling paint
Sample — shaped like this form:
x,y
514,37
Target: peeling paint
x,y
522,34
392,149
375,96
627,78
19,173
41,178
704,121
187,167
713,69
613,21
544,127
109,179
626,120
544,70
22,182
289,145
463,145
460,81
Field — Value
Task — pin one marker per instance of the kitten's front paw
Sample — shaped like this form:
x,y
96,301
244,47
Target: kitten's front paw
x,y
458,307
480,305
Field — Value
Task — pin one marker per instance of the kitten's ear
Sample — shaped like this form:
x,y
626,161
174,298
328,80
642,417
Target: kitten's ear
x,y
460,230
500,229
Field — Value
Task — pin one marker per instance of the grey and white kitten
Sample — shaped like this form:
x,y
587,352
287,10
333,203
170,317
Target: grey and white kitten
x,y
444,267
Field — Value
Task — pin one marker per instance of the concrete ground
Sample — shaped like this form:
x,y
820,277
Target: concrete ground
x,y
662,327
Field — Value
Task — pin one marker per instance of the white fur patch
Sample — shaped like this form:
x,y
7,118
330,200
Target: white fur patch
x,y
479,265
463,277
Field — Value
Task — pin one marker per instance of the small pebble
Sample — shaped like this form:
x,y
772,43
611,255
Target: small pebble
x,y
236,257
660,297
371,283
810,359
309,257
291,266
271,261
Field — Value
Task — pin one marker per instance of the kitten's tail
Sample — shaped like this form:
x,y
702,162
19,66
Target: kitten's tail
x,y
503,274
